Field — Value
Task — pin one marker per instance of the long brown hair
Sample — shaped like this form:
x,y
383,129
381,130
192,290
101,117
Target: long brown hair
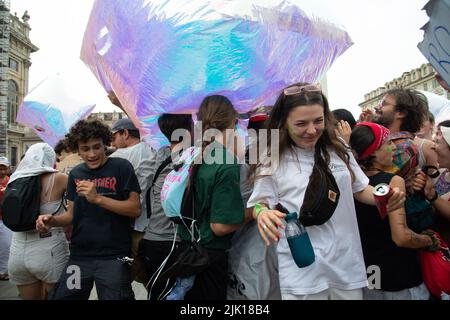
x,y
216,112
413,104
278,117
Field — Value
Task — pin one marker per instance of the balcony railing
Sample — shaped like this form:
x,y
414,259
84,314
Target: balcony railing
x,y
16,127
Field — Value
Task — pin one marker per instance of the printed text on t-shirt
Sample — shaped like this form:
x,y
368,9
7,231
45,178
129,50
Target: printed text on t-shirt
x,y
107,183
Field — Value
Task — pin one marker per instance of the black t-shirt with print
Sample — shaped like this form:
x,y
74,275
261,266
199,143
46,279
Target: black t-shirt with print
x,y
98,232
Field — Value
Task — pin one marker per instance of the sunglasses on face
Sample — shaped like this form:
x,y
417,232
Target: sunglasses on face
x,y
302,89
384,103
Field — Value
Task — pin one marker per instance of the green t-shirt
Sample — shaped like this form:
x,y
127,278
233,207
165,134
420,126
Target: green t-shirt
x,y
217,198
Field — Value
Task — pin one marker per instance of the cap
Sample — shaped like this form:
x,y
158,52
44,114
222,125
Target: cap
x,y
4,161
446,134
123,124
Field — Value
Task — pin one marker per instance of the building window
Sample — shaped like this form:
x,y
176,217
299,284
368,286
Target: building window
x,y
13,64
435,84
13,160
13,101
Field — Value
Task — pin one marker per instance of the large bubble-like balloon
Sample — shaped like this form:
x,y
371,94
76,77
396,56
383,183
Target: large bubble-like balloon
x,y
166,55
52,107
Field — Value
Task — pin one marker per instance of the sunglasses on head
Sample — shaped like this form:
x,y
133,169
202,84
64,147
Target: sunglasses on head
x,y
302,89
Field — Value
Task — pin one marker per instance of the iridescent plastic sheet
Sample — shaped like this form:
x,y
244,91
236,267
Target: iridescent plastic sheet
x,y
166,56
52,107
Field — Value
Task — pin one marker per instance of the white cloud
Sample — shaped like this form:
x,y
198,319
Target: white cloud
x,y
58,29
386,34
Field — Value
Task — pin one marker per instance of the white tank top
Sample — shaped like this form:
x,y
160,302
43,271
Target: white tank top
x,y
47,206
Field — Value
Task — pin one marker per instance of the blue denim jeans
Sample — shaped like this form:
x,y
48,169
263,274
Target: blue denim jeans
x,y
112,280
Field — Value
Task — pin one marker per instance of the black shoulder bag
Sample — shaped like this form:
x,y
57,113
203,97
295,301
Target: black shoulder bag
x,y
321,195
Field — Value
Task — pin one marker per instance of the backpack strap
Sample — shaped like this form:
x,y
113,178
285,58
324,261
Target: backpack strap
x,y
61,204
190,216
49,187
161,167
195,218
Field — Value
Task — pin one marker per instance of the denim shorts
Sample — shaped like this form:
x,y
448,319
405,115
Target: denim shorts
x,y
33,258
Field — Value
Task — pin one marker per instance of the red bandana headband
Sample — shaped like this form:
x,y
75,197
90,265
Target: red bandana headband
x,y
259,117
381,134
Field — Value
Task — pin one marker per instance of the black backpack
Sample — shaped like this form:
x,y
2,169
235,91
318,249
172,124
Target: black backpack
x,y
21,203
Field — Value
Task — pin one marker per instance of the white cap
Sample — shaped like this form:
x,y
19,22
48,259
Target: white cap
x,y
446,134
4,161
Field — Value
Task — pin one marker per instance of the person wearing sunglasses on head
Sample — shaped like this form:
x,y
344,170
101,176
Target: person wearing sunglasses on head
x,y
307,139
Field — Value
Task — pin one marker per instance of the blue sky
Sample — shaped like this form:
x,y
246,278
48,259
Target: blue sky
x,y
385,33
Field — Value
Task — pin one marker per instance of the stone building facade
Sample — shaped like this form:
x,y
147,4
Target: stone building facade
x,y
422,78
107,117
15,51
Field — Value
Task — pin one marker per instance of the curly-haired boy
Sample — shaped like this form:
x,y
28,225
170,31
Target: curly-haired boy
x,y
103,197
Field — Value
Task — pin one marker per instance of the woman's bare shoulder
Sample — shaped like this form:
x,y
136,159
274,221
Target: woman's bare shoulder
x,y
61,179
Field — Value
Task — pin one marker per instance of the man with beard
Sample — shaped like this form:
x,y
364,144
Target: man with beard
x,y
403,111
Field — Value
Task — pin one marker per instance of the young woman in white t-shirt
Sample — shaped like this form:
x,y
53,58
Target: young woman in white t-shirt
x,y
305,124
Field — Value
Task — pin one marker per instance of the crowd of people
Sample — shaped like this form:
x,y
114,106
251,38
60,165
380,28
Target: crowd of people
x,y
114,229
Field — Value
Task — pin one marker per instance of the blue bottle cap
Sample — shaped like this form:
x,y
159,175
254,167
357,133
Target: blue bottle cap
x,y
291,216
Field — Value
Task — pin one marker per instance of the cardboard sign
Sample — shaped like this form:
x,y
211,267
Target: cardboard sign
x,y
436,43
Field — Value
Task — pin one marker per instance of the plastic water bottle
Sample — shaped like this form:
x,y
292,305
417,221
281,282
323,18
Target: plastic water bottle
x,y
182,286
299,242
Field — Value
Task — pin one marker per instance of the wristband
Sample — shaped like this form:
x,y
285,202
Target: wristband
x,y
259,208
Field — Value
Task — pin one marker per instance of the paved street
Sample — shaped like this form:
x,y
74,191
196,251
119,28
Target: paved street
x,y
139,292
9,292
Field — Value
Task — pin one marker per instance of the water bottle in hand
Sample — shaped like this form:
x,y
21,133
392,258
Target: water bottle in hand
x,y
299,242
